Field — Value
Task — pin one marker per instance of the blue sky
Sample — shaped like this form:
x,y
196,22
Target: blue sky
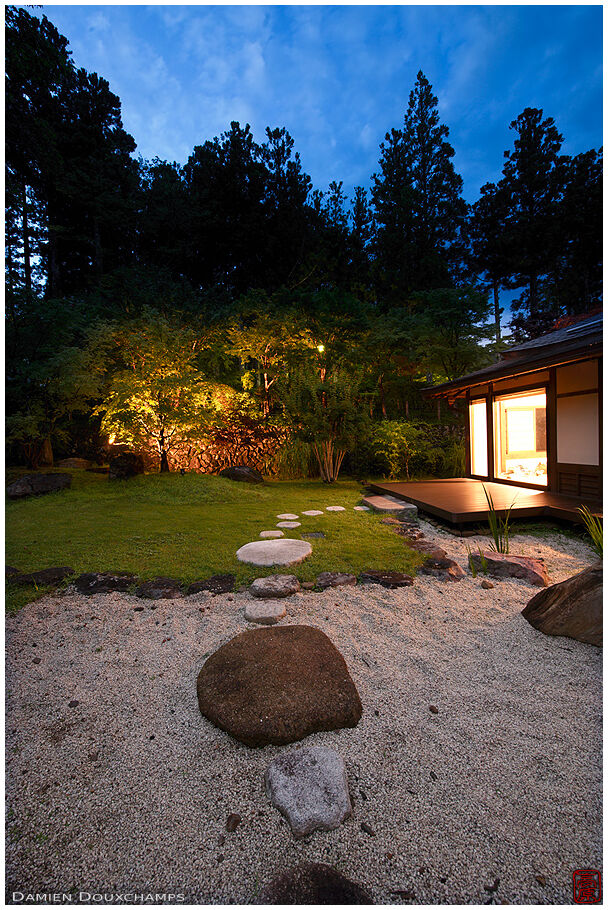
x,y
339,77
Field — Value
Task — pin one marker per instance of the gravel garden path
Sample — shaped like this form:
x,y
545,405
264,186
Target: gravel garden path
x,y
116,783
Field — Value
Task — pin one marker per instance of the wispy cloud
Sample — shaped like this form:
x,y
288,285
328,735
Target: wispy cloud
x,y
339,77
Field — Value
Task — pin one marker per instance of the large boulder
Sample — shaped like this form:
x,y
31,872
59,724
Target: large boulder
x,y
313,883
277,686
309,787
38,485
129,464
572,608
243,473
501,565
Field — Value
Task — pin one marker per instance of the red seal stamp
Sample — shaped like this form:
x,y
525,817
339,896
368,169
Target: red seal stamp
x,y
587,884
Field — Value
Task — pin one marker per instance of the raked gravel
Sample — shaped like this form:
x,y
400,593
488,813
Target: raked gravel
x,y
130,789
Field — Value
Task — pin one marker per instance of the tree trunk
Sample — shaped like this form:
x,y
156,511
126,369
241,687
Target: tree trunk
x,y
496,311
164,462
381,387
27,265
46,456
329,460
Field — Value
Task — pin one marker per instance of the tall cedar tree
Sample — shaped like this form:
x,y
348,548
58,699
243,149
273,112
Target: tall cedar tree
x,y
532,183
419,210
486,233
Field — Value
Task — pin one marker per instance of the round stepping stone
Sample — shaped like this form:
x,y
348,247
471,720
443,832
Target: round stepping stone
x,y
362,508
313,512
336,509
335,579
289,516
288,524
271,534
275,586
310,788
278,686
265,612
286,552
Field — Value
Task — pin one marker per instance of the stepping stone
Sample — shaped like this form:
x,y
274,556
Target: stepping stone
x,y
51,576
312,512
390,504
160,588
387,579
313,534
361,508
275,586
271,534
313,883
289,516
335,509
277,686
217,584
104,582
335,579
310,788
286,552
288,524
266,612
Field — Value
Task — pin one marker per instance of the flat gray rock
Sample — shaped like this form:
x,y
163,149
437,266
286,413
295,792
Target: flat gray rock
x,y
391,505
288,524
265,612
310,788
289,516
312,512
335,509
286,552
269,535
275,586
335,579
361,508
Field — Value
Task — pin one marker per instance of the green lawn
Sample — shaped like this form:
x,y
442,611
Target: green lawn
x,y
190,527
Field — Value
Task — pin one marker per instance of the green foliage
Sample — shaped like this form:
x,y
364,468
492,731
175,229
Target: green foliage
x,y
56,388
328,410
408,447
397,442
595,530
157,397
499,524
295,460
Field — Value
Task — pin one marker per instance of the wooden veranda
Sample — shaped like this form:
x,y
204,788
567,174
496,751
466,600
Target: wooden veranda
x,y
461,500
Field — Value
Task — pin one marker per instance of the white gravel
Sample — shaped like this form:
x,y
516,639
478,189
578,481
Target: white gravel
x,y
130,790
